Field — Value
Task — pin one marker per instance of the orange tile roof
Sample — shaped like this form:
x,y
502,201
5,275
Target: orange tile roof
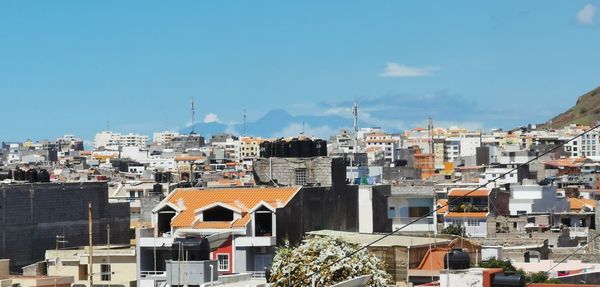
x,y
433,259
469,192
566,162
466,215
444,204
579,203
242,198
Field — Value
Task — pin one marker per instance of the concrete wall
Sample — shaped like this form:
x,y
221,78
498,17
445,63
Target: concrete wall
x,y
31,215
325,171
317,208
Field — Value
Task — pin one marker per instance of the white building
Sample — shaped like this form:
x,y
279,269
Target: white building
x,y
533,198
110,140
492,173
161,138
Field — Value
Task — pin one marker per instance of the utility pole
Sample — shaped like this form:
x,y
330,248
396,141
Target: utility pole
x,y
244,121
108,253
91,247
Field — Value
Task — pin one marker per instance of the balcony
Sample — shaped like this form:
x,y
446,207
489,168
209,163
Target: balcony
x,y
469,208
256,241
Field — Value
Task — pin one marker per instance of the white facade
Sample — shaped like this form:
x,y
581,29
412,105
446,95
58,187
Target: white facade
x,y
161,138
474,227
469,145
492,173
403,210
527,199
110,140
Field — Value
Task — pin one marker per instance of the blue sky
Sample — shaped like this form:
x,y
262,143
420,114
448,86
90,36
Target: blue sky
x,y
71,66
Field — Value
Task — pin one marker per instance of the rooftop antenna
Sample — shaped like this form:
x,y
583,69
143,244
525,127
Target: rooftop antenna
x,y
430,133
244,121
193,117
355,114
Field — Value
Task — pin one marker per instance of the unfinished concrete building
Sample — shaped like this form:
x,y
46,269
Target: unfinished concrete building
x,y
33,215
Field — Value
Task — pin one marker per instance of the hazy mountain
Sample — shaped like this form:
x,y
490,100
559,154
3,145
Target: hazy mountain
x,y
273,123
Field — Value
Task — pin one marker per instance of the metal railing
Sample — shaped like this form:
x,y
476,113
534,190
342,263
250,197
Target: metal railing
x,y
145,274
258,275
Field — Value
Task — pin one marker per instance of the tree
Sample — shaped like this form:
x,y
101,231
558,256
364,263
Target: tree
x,y
292,265
454,230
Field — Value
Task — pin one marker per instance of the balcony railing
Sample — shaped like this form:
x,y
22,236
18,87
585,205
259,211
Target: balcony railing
x,y
145,274
468,208
406,220
258,274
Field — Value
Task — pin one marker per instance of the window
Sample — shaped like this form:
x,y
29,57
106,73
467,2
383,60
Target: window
x,y
418,211
301,176
105,272
473,222
391,212
223,262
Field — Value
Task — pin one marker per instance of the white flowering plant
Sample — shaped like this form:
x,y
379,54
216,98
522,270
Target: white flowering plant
x,y
320,257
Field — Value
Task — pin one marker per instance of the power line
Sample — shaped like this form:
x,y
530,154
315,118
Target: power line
x,y
456,199
568,256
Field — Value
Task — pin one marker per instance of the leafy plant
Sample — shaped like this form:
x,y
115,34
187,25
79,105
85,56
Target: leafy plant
x,y
293,264
454,230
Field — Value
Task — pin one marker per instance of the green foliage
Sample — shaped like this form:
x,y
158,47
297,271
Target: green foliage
x,y
539,277
497,263
454,230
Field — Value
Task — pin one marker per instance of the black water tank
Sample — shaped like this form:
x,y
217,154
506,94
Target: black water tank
x,y
295,148
507,279
19,174
268,149
278,148
43,176
158,176
190,248
31,175
306,148
167,176
285,148
457,259
320,147
157,188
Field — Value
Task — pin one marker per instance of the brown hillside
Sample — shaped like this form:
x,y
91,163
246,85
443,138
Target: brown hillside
x,y
585,112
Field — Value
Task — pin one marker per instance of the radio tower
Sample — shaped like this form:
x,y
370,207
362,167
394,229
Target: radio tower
x,y
244,121
193,118
355,114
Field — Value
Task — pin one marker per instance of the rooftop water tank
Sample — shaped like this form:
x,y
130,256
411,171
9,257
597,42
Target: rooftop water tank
x,y
508,279
457,259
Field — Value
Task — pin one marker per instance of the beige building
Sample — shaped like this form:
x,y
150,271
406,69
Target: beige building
x,y
115,267
7,280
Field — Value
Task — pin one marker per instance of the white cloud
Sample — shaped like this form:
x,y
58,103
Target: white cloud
x,y
211,118
586,15
394,70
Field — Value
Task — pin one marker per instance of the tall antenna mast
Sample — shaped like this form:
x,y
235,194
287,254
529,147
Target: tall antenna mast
x,y
355,114
430,134
244,121
193,117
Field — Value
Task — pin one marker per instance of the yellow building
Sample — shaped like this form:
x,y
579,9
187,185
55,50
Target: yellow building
x,y
114,267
